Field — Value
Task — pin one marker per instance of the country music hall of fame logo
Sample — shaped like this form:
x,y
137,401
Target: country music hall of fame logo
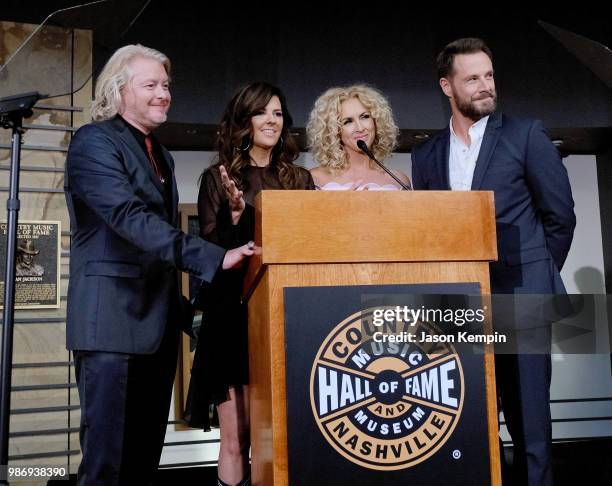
x,y
385,405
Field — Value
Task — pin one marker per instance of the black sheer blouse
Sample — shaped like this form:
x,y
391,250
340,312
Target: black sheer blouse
x,y
213,208
216,226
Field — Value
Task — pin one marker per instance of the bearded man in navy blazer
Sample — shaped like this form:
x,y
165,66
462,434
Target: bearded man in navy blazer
x,y
124,306
482,149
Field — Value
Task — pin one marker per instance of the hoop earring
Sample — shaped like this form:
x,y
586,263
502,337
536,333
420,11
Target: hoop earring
x,y
242,147
279,144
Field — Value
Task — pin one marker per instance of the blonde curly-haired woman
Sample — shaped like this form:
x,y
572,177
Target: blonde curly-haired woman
x,y
340,118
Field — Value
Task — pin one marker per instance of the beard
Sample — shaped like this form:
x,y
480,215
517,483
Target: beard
x,y
479,106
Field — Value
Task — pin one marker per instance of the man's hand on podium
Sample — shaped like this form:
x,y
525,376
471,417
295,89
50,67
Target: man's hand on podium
x,y
235,257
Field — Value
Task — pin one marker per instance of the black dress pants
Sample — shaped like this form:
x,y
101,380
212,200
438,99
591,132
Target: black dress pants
x,y
523,382
125,400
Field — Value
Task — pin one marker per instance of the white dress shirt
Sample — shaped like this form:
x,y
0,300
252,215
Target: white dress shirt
x,y
462,159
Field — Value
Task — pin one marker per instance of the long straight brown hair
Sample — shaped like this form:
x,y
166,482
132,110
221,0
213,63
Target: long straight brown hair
x,y
236,138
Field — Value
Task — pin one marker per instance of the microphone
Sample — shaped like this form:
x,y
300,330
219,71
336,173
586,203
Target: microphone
x,y
364,148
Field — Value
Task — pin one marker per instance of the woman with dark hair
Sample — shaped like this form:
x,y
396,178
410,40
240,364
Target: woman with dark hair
x,y
256,152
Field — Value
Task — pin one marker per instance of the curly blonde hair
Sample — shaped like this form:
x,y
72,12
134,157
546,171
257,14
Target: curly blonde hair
x,y
324,125
116,74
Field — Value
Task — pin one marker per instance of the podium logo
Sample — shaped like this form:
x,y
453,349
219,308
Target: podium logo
x,y
385,405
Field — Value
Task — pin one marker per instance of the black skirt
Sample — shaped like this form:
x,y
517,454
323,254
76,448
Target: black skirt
x,y
221,358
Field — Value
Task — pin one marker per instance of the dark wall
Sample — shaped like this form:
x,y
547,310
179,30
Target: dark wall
x,y
604,176
215,49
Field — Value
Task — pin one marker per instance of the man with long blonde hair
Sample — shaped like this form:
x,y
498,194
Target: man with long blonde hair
x,y
125,309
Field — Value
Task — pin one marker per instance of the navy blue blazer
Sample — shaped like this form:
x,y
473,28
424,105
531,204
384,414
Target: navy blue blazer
x,y
125,247
534,208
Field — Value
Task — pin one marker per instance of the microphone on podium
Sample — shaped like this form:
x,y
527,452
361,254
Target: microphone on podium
x,y
364,148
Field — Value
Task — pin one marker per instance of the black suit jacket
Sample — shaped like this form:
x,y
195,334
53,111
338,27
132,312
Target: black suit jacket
x,y
125,248
533,200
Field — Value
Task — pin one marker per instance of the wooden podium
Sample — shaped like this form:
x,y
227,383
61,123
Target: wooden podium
x,y
318,238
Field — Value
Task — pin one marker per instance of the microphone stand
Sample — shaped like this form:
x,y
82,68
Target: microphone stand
x,y
13,109
364,148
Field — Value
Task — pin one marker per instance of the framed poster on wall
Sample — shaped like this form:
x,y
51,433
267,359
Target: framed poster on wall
x,y
37,265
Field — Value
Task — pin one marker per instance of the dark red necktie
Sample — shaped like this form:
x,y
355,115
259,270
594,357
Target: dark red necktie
x,y
154,164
